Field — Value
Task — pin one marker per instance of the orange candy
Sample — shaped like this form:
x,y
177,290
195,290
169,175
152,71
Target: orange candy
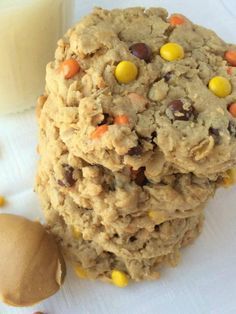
x,y
99,131
176,19
123,119
69,68
230,56
232,109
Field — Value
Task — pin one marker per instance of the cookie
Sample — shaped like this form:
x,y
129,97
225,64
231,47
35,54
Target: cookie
x,y
91,261
168,103
116,220
137,129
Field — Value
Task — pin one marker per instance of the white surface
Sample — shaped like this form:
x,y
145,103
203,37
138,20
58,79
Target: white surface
x,y
205,281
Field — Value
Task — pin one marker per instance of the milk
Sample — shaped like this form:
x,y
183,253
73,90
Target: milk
x,y
29,30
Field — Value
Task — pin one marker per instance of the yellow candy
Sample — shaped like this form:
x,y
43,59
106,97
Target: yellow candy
x,y
80,272
126,72
157,216
230,179
119,278
2,201
172,52
76,232
220,86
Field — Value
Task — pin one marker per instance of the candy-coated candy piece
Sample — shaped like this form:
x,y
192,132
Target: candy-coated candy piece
x,y
230,177
232,109
172,52
69,68
180,111
230,57
176,19
141,51
2,201
99,131
119,278
126,72
122,119
220,86
81,272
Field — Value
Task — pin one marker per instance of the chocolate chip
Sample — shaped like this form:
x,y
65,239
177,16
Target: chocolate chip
x,y
106,120
140,178
68,180
179,112
153,136
60,182
157,228
215,133
167,76
232,128
141,51
132,239
110,254
111,187
135,151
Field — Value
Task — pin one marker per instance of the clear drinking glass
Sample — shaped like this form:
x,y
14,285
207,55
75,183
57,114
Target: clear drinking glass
x,y
29,30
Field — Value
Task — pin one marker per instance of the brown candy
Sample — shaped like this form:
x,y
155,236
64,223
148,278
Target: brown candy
x,y
141,51
179,112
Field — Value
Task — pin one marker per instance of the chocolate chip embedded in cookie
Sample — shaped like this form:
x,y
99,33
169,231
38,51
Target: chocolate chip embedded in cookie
x,y
135,151
216,134
68,180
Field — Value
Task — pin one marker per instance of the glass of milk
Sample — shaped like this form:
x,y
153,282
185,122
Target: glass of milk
x,y
29,30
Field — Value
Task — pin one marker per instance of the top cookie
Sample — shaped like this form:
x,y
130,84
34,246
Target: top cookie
x,y
133,85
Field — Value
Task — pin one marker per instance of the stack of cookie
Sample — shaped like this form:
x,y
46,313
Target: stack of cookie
x,y
137,128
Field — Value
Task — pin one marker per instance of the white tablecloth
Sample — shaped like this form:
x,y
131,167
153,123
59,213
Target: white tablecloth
x,y
204,282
